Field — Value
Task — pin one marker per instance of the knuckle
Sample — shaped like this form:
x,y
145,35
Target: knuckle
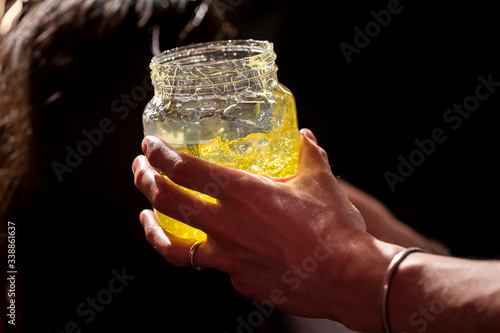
x,y
322,153
165,251
161,198
155,155
178,172
139,176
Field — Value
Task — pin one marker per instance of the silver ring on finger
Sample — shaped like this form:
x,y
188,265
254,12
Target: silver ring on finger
x,y
191,253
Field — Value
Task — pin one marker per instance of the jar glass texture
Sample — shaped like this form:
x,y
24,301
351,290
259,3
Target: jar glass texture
x,y
222,102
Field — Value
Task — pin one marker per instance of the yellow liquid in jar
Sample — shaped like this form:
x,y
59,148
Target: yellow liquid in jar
x,y
274,154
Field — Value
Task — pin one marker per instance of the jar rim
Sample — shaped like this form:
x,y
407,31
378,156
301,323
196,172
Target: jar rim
x,y
196,54
213,63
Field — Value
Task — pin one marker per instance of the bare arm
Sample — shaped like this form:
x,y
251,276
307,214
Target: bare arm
x,y
442,294
428,293
382,224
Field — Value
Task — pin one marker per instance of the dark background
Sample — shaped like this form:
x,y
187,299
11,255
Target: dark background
x,y
396,90
71,235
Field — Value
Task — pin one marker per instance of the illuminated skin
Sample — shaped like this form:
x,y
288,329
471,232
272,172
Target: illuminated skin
x,y
278,157
299,244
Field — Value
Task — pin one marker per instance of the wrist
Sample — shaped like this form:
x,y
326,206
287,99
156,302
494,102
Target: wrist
x,y
391,270
360,285
427,292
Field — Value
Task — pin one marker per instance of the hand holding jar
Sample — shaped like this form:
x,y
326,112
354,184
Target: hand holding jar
x,y
261,230
298,244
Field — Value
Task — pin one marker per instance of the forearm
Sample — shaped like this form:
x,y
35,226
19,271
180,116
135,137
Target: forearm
x,y
443,294
382,224
428,293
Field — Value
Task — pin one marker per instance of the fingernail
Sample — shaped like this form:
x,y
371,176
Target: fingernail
x,y
145,144
148,143
135,163
308,134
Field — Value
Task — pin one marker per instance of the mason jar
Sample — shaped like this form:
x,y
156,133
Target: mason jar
x,y
221,101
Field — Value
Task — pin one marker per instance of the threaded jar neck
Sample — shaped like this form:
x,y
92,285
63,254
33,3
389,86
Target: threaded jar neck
x,y
221,66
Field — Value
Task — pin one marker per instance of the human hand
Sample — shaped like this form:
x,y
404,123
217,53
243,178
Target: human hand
x,y
286,241
300,245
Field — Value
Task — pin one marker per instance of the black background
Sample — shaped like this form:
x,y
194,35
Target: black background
x,y
396,90
72,234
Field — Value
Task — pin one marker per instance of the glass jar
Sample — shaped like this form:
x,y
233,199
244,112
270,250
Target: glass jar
x,y
222,102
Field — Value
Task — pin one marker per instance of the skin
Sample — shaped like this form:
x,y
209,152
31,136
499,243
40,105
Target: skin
x,y
313,246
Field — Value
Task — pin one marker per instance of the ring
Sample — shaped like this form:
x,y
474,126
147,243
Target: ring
x,y
192,250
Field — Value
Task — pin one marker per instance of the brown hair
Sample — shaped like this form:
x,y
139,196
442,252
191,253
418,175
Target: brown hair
x,y
31,49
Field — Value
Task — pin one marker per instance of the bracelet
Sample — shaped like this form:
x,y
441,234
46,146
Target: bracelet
x,y
398,258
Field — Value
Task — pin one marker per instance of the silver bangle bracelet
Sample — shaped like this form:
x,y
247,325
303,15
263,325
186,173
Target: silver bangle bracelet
x,y
398,258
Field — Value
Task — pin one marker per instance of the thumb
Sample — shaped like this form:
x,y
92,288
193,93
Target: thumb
x,y
311,155
309,134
